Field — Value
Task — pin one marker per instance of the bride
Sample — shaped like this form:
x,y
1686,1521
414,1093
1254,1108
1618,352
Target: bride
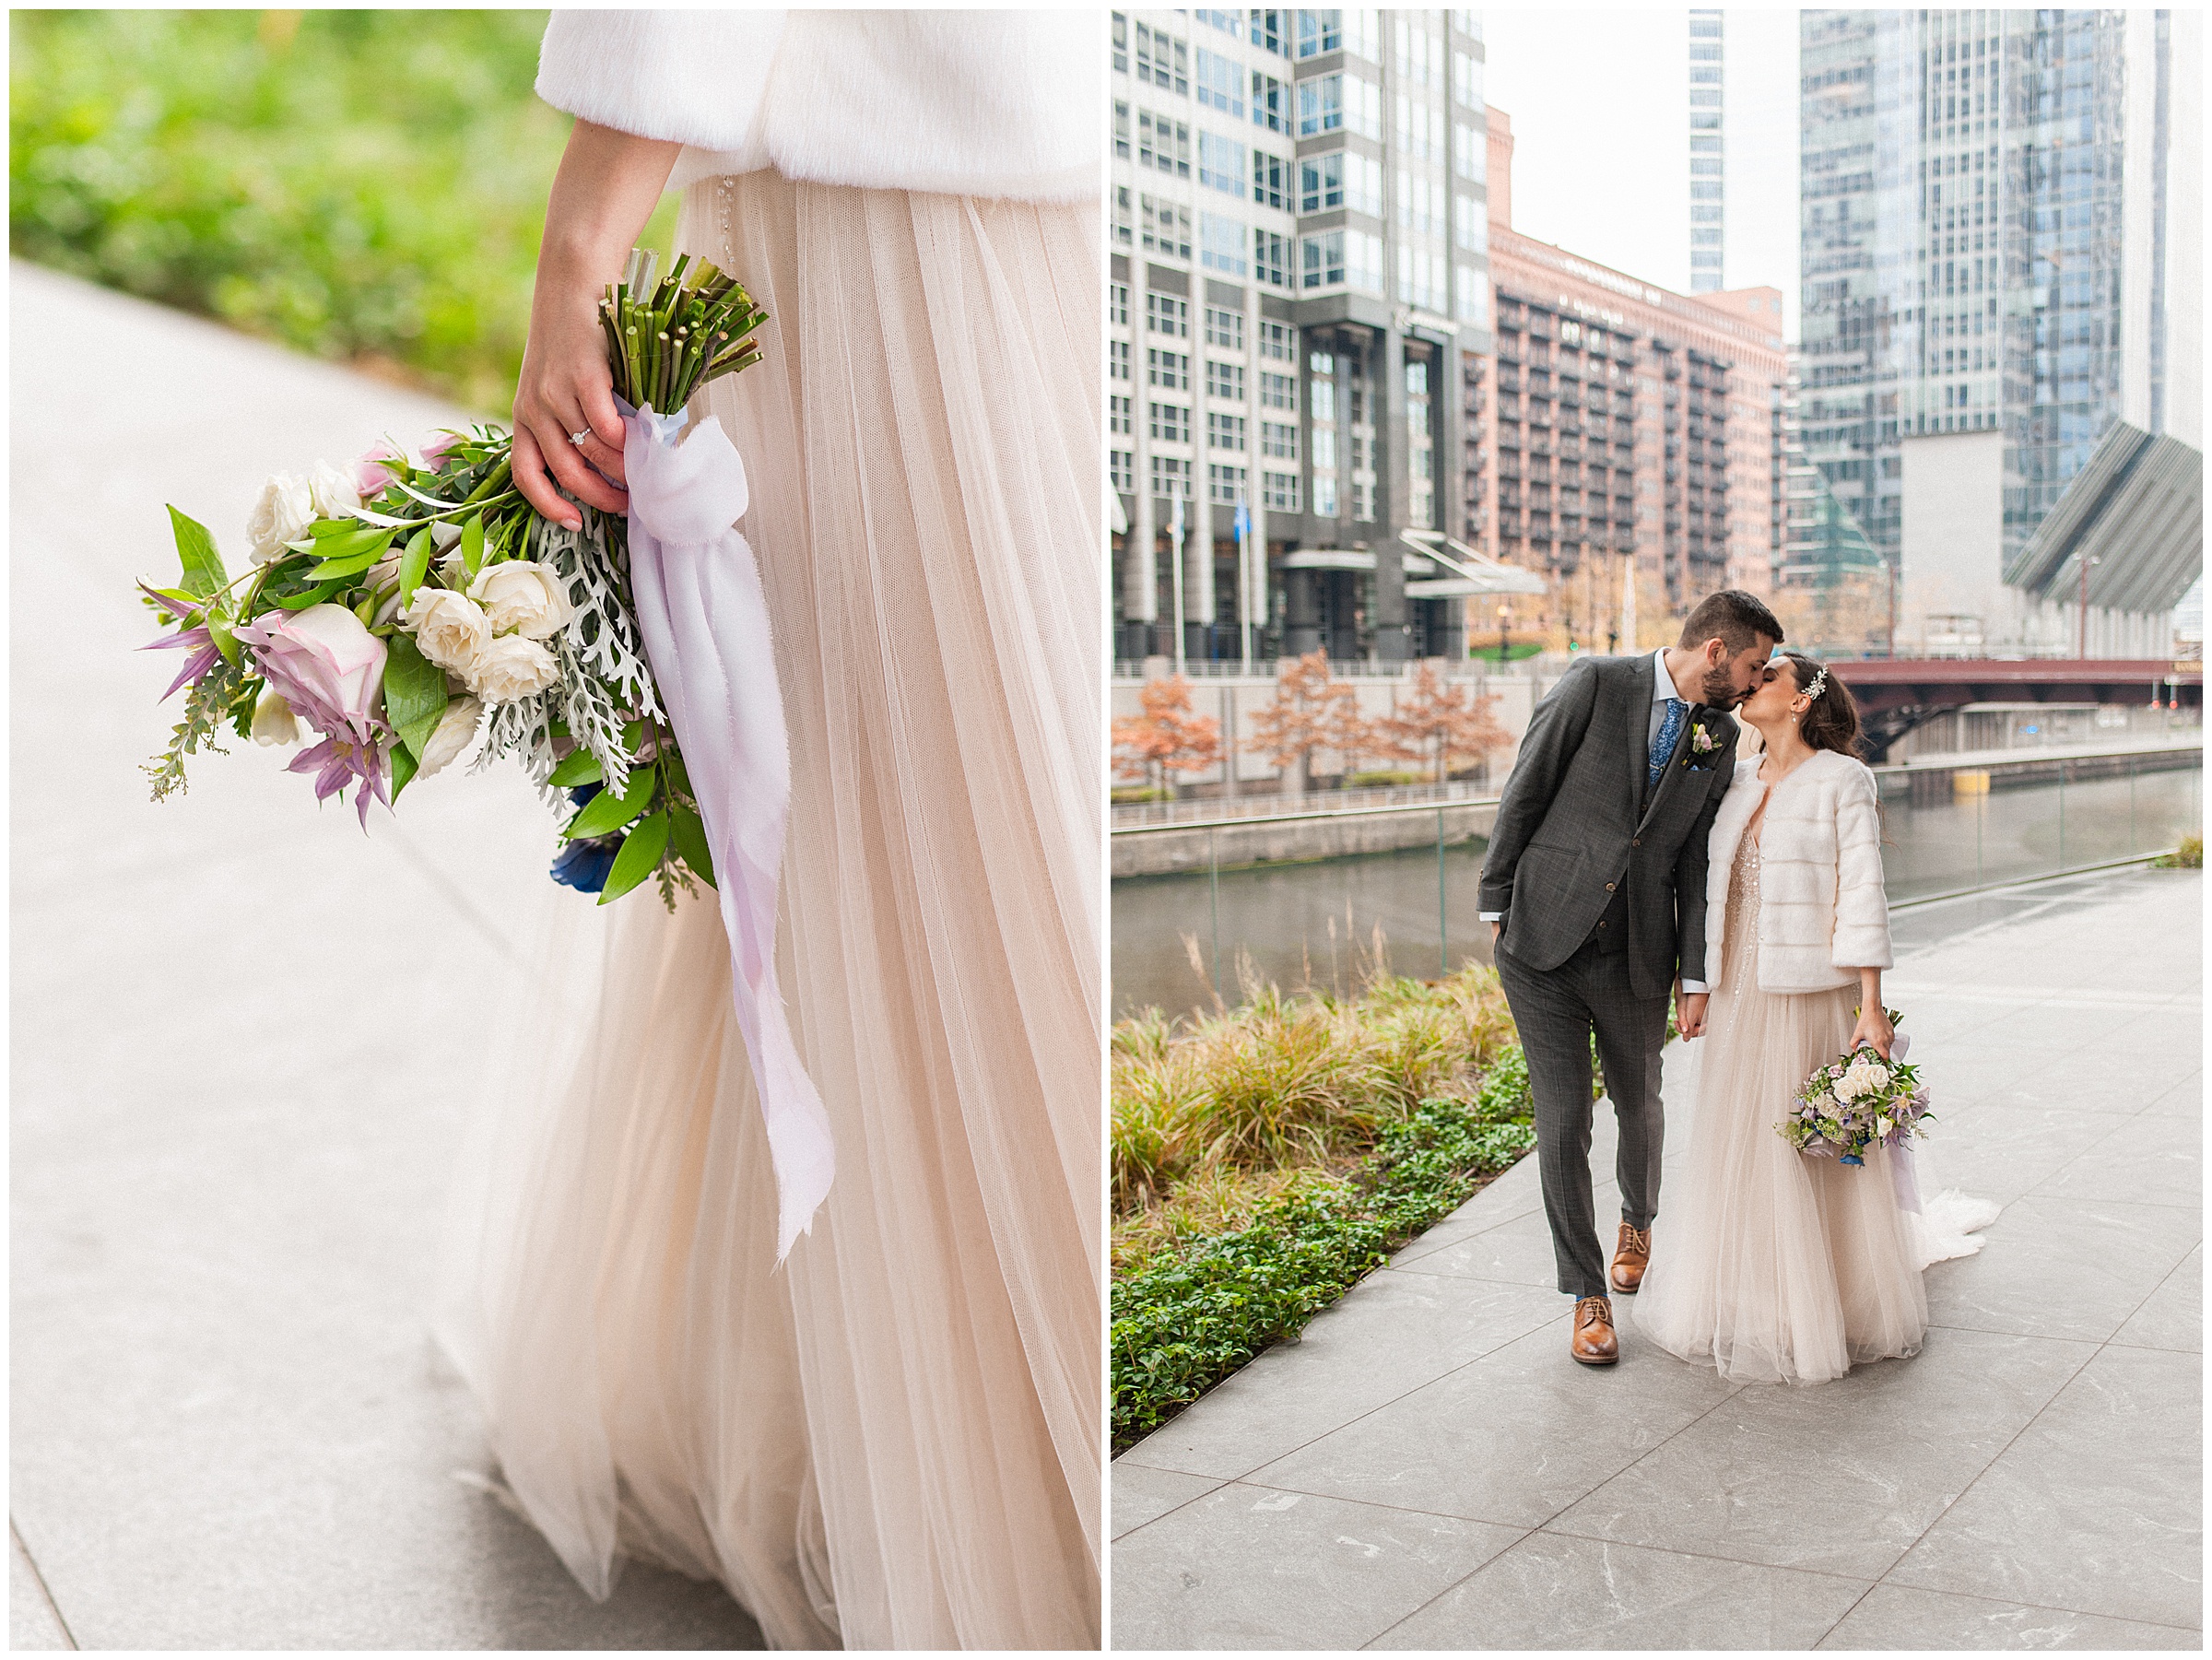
x,y
1775,1266
891,1438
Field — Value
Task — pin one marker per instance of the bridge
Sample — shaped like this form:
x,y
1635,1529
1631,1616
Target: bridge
x,y
1897,694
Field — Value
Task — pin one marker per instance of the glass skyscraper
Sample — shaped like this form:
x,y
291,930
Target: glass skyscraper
x,y
1707,163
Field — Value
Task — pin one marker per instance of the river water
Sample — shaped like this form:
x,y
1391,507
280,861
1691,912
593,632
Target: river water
x,y
1317,922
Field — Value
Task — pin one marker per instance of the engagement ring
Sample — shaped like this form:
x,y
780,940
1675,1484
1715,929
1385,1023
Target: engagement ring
x,y
578,436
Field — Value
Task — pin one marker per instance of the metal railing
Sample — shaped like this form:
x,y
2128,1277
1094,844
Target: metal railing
x,y
1167,814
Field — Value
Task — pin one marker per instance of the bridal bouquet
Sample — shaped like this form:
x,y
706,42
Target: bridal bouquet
x,y
398,607
1856,1102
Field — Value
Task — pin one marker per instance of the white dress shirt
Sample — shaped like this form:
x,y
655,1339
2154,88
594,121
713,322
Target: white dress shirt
x,y
1663,689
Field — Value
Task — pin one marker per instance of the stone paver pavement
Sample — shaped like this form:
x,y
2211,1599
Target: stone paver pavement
x,y
246,1043
1428,1469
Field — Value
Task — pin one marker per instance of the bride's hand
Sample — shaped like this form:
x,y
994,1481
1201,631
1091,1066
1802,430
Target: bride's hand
x,y
602,196
1690,1012
1874,1028
566,387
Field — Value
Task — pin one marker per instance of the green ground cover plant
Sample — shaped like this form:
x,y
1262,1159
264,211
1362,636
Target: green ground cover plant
x,y
2189,855
369,186
1265,1157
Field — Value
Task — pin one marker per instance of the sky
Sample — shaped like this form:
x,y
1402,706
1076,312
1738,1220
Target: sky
x,y
1599,101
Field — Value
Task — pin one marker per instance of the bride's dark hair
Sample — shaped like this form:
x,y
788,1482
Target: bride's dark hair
x,y
1833,720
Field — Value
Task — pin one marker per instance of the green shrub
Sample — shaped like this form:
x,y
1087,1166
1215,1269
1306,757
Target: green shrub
x,y
1192,1316
1131,794
1383,777
369,186
2189,855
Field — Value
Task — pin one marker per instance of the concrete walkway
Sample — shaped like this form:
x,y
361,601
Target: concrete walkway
x,y
1428,1469
246,1041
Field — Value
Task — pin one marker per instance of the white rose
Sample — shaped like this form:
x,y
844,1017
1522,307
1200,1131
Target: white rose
x,y
284,513
444,534
274,721
522,597
451,735
334,491
511,667
450,629
1878,1074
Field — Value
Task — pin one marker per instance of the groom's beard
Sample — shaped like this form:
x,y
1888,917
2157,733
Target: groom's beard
x,y
1720,692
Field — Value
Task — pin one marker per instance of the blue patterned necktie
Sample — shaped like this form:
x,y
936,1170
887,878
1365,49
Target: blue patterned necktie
x,y
1670,728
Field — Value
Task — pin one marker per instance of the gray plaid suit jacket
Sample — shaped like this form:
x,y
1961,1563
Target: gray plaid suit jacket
x,y
1577,822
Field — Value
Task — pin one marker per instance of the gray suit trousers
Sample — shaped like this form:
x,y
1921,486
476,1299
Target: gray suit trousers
x,y
1557,1009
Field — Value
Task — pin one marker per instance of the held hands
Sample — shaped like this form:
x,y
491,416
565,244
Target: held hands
x,y
1874,1028
1689,1011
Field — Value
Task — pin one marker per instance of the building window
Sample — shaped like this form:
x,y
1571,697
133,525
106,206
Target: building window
x,y
1221,243
1170,423
1121,128
1229,23
1118,415
1169,368
1321,258
1167,228
1225,484
1470,152
1279,342
1163,143
1320,182
1325,495
1363,499
1117,304
1320,105
1278,492
1320,32
1271,31
1171,477
1224,328
1165,315
1117,359
1224,380
1224,432
1121,231
1122,467
1220,83
1350,258
1270,180
1162,60
1467,79
1278,391
1270,103
1271,258
1278,439
1121,43
1220,164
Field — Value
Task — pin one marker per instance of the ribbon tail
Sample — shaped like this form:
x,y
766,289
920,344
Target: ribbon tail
x,y
705,620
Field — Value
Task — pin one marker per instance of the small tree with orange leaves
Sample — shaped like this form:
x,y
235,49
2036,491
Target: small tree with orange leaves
x,y
1310,712
1436,720
1166,737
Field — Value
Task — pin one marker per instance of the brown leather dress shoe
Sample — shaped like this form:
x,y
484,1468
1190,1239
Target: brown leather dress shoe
x,y
1594,1344
1630,1258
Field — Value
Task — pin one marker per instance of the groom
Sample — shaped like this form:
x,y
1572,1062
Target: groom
x,y
1595,888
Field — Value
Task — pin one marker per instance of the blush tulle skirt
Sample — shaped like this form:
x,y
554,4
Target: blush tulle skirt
x,y
893,1439
1767,1264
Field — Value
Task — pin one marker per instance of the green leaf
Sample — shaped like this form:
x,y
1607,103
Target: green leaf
x,y
639,857
313,596
414,695
582,767
404,768
633,734
679,775
413,568
691,842
472,545
225,637
354,560
606,813
203,573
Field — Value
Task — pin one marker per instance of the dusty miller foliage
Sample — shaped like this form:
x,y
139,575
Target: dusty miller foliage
x,y
605,678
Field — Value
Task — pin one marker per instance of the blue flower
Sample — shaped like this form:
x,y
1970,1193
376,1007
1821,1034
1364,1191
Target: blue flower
x,y
585,865
1853,1158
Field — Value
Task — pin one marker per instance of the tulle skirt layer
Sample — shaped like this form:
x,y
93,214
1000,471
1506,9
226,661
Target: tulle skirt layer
x,y
1775,1266
893,1439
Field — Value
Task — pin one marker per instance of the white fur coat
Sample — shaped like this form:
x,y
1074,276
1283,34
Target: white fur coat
x,y
1823,914
981,103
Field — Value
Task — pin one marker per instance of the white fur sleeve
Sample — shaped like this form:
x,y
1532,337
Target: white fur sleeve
x,y
1862,932
696,76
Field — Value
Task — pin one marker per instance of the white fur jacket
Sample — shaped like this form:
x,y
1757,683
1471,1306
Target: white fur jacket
x,y
1823,914
978,103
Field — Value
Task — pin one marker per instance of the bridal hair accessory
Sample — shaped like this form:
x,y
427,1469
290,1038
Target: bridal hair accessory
x,y
1818,686
1856,1102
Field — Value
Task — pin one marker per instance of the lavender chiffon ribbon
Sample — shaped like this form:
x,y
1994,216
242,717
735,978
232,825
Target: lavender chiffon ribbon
x,y
1902,1178
705,623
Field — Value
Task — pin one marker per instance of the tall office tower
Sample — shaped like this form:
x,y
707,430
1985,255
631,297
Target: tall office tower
x,y
1708,164
2001,239
1633,438
1299,280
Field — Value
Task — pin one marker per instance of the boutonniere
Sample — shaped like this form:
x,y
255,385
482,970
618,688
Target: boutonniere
x,y
1698,755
